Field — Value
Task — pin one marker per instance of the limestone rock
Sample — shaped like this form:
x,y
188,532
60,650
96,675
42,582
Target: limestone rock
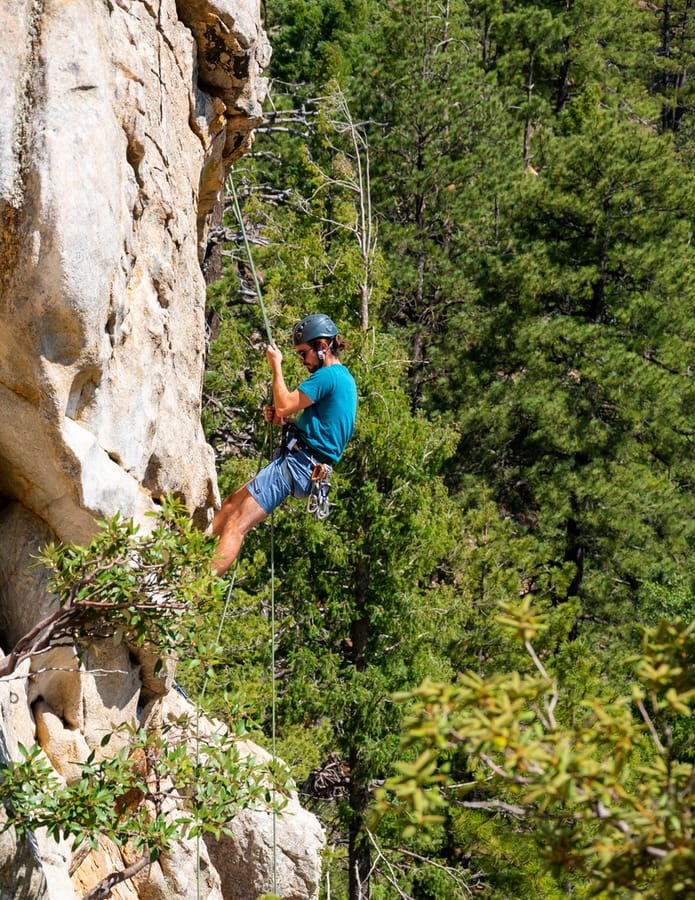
x,y
38,867
66,748
285,848
112,153
291,847
23,597
170,878
119,121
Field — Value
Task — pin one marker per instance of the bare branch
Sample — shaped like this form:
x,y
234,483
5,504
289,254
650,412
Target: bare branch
x,y
391,877
450,871
103,890
650,725
502,773
552,703
495,804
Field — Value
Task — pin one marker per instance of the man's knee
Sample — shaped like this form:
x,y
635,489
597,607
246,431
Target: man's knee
x,y
239,512
250,512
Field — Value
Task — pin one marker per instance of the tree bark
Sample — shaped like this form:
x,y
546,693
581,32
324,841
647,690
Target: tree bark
x,y
359,851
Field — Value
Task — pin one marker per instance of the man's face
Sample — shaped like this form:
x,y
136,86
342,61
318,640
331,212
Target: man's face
x,y
308,357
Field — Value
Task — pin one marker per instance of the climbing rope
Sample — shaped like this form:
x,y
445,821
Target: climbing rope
x,y
242,227
273,699
199,705
266,322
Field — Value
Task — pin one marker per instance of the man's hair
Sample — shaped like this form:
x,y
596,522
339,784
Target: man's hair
x,y
335,344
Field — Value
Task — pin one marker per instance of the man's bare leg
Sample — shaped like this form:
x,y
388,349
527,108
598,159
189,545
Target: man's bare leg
x,y
239,513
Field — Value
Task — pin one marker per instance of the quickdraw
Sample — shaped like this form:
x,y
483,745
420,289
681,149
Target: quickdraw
x,y
317,504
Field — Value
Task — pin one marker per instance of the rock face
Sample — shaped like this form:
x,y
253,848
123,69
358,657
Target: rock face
x,y
115,136
119,121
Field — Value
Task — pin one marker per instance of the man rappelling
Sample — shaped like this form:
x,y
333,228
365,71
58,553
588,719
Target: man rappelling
x,y
325,406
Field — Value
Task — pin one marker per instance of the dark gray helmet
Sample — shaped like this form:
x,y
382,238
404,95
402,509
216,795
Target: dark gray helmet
x,y
312,327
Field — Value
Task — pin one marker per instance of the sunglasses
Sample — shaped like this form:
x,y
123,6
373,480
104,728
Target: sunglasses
x,y
302,354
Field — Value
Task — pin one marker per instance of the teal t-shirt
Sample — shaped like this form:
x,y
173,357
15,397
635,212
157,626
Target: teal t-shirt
x,y
327,425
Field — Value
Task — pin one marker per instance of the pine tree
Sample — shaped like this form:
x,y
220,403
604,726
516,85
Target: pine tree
x,y
355,595
439,133
675,46
315,41
578,388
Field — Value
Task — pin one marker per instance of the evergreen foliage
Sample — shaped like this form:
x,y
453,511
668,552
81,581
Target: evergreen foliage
x,y
524,441
580,373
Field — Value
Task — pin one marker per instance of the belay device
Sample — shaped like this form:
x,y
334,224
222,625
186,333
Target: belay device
x,y
317,504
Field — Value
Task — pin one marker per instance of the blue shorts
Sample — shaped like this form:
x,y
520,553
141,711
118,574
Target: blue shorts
x,y
285,475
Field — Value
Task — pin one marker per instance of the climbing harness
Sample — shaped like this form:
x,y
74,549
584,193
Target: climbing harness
x,y
317,504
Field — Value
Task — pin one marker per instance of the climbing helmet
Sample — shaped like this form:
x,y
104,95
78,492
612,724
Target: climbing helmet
x,y
318,325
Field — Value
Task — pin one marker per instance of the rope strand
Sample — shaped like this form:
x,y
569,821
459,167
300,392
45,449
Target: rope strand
x,y
273,702
240,219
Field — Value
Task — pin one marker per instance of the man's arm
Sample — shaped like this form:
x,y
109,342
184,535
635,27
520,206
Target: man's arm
x,y
286,403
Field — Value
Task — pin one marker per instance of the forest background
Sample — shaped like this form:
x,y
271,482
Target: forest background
x,y
483,669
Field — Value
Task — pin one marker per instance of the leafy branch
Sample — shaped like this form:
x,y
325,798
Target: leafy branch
x,y
167,782
125,584
611,796
164,787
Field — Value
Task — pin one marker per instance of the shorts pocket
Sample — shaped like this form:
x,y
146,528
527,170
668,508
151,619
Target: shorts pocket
x,y
298,478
